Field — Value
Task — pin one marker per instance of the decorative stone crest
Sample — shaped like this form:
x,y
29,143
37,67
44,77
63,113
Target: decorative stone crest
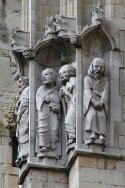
x,y
97,14
59,25
60,22
50,27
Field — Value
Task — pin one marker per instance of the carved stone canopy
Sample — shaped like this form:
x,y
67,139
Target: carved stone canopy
x,y
93,39
54,52
95,34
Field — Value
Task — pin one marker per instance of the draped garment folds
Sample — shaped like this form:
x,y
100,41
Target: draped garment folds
x,y
70,119
22,130
48,121
96,120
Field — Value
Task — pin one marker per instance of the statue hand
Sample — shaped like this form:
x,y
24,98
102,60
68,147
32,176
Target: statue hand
x,y
47,99
54,107
61,92
97,104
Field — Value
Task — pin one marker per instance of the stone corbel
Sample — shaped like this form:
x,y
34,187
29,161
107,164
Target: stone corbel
x,y
75,40
29,54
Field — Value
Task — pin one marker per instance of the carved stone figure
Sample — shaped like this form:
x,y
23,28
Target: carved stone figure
x,y
96,91
48,107
10,124
22,118
68,96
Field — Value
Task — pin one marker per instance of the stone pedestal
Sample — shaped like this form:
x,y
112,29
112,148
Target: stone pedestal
x,y
96,172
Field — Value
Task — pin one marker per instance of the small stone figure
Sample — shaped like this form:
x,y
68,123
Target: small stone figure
x,y
68,96
96,91
48,107
22,119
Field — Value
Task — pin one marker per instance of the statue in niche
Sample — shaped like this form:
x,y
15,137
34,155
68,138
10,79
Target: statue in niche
x,y
48,107
68,96
22,119
96,91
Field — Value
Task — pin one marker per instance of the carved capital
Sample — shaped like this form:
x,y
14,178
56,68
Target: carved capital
x,y
75,40
29,53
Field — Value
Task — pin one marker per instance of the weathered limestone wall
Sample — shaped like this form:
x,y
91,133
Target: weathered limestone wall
x,y
68,7
46,179
97,172
10,17
115,18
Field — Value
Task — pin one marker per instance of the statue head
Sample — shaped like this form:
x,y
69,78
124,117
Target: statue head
x,y
97,68
49,76
23,82
65,72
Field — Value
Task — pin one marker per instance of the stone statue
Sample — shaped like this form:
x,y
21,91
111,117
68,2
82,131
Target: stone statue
x,y
10,124
96,91
22,119
48,107
68,96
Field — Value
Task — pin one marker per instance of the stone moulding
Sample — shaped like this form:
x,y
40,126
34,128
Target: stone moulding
x,y
88,31
44,49
65,168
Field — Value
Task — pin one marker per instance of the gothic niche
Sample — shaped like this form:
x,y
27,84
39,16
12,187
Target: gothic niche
x,y
96,45
54,92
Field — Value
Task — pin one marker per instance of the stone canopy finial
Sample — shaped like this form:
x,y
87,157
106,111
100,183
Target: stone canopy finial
x,y
97,13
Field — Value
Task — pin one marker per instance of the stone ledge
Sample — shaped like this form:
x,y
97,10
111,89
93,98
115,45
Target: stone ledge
x,y
62,167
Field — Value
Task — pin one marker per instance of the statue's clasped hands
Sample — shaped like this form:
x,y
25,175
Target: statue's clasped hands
x,y
98,105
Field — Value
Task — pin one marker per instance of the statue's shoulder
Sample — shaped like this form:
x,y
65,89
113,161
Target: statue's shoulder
x,y
87,78
40,88
25,92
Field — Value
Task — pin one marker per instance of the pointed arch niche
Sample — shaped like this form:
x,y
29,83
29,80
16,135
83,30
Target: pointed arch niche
x,y
95,42
49,53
